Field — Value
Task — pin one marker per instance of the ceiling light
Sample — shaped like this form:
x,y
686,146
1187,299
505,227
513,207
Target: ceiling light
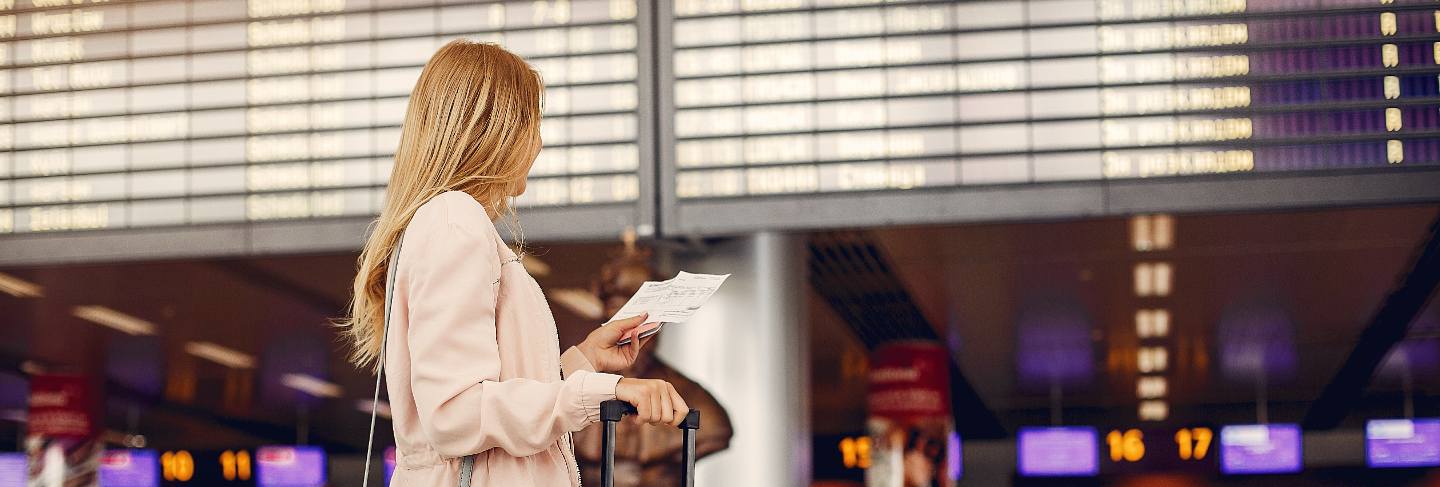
x,y
1140,236
19,288
1152,323
115,320
580,301
1144,323
311,385
228,357
1153,279
381,408
1161,320
1163,278
1151,359
534,266
1152,232
1144,280
1163,227
1154,410
1150,387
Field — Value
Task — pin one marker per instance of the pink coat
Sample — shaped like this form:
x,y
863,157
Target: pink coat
x,y
474,365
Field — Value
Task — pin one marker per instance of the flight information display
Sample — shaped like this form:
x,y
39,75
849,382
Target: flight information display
x,y
786,97
1260,449
1391,443
14,470
129,468
290,466
129,114
1057,451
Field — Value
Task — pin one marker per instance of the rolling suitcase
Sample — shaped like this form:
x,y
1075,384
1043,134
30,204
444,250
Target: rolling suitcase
x,y
612,411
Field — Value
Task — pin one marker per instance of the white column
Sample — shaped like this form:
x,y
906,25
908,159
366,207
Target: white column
x,y
748,347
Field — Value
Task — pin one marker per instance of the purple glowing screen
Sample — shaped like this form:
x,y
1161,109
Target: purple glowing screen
x,y
290,466
129,468
1068,451
1403,442
1260,449
12,469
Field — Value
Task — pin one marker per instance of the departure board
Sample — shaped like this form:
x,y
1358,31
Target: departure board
x,y
163,113
798,101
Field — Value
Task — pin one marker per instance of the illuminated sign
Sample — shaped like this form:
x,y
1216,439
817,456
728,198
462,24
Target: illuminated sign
x,y
178,466
290,466
1260,449
129,468
842,456
776,98
1062,451
156,114
1402,442
14,471
1131,450
207,467
855,452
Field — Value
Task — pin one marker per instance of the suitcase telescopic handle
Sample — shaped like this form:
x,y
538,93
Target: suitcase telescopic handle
x,y
612,411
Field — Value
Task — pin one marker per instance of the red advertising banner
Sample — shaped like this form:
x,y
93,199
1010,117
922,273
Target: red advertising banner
x,y
62,438
61,407
910,425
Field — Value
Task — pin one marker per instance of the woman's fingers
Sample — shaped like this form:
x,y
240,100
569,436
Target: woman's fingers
x,y
657,406
667,411
678,404
615,330
632,350
642,408
656,401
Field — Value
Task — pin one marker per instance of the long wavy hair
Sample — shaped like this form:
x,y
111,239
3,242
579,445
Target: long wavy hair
x,y
472,125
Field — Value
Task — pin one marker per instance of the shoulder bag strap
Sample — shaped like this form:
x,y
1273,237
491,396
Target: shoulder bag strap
x,y
467,464
384,340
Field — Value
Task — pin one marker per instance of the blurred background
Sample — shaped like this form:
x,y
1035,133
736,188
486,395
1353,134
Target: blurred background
x,y
989,242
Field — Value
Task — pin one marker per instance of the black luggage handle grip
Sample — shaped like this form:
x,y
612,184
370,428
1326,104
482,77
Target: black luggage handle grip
x,y
615,409
610,413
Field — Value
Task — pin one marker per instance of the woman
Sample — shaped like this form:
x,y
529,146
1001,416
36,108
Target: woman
x,y
472,360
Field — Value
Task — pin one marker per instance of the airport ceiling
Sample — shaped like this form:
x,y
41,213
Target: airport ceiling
x,y
1037,315
1270,302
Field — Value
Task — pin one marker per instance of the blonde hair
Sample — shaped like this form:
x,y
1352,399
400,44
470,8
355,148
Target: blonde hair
x,y
472,125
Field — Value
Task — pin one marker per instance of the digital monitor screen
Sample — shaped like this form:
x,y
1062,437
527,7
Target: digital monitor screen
x,y
1069,451
1260,449
13,470
290,466
1403,442
773,99
129,468
151,114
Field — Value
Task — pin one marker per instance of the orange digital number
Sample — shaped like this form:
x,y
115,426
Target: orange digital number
x,y
235,465
1194,442
177,466
855,452
1126,446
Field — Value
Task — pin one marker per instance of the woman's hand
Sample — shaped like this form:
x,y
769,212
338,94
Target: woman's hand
x,y
602,352
655,400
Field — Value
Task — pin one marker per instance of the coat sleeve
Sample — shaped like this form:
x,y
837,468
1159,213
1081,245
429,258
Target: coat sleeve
x,y
463,406
573,361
